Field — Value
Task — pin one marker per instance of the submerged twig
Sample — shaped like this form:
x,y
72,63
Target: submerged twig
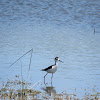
x,y
21,57
94,30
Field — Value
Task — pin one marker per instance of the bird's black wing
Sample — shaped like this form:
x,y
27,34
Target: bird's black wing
x,y
47,68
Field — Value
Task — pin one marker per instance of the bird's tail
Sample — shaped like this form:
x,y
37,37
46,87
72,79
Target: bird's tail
x,y
42,70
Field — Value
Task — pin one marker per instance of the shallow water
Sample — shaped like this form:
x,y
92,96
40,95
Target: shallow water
x,y
67,29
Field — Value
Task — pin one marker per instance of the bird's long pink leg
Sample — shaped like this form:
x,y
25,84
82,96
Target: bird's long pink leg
x,y
44,77
51,77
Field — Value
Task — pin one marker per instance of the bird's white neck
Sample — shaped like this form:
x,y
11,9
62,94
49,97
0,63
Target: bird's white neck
x,y
56,63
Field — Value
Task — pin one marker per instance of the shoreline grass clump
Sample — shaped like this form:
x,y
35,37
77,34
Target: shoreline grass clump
x,y
13,89
17,90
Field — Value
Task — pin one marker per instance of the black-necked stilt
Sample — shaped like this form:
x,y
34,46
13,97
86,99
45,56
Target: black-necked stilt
x,y
52,69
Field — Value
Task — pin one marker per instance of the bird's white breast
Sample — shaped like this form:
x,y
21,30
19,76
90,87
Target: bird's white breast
x,y
53,69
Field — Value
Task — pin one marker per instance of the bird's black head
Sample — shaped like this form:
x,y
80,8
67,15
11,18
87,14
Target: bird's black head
x,y
57,59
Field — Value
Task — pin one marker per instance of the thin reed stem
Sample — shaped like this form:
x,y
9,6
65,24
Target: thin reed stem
x,y
29,66
21,57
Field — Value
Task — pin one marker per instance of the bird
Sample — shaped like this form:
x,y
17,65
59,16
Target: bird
x,y
52,69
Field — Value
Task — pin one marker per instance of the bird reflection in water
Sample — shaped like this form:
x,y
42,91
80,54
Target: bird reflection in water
x,y
50,90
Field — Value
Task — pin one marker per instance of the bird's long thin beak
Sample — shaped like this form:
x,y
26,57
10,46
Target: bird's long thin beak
x,y
61,61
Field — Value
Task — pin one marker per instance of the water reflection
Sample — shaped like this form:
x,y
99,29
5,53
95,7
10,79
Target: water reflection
x,y
50,90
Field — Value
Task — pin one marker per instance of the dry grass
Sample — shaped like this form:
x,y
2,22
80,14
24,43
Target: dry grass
x,y
18,90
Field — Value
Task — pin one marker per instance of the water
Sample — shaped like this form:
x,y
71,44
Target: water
x,y
52,28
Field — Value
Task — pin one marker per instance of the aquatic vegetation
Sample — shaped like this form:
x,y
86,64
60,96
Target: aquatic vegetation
x,y
17,89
